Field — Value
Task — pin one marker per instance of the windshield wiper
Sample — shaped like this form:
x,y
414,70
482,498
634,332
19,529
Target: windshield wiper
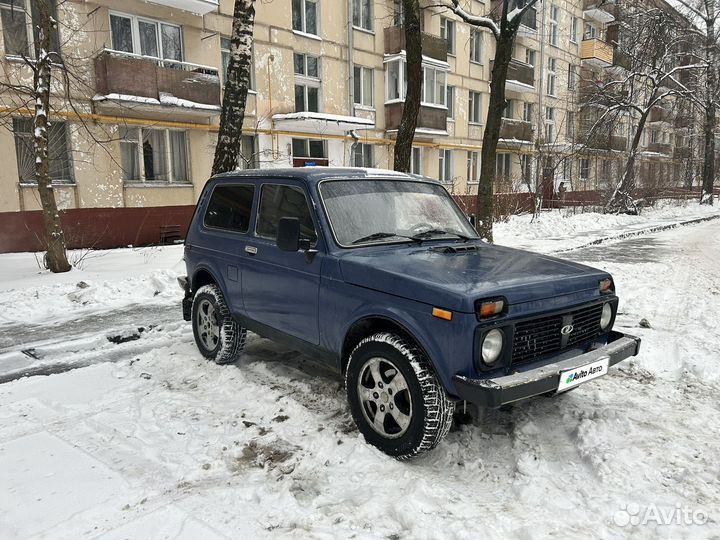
x,y
435,232
381,235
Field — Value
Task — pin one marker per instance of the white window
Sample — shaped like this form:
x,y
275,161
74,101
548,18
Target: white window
x,y
503,165
530,56
450,102
526,167
474,107
362,14
572,76
153,155
309,148
305,16
307,82
528,111
584,168
573,29
59,155
549,124
554,25
447,32
225,61
445,169
395,80
363,155
591,31
363,84
434,87
552,76
147,37
416,161
570,125
473,166
476,46
20,27
248,158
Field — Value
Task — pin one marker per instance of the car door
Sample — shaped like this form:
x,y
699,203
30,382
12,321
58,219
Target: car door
x,y
280,289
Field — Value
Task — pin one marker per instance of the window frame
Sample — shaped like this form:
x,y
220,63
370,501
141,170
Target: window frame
x,y
361,146
476,47
167,157
303,21
447,32
554,33
307,81
574,30
474,109
445,166
252,206
551,87
473,165
450,92
364,71
416,153
29,140
365,5
135,21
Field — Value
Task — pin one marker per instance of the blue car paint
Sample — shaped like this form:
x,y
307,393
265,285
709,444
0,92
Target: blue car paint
x,y
319,301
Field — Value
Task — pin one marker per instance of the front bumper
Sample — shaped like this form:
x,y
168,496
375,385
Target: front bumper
x,y
509,388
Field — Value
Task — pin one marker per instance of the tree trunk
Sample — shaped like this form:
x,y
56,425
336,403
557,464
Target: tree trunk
x,y
237,80
621,201
413,96
496,107
56,258
710,122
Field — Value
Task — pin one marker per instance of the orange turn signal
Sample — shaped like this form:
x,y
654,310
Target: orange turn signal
x,y
442,314
490,309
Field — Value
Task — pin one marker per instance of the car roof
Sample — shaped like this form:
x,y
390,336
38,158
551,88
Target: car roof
x,y
317,174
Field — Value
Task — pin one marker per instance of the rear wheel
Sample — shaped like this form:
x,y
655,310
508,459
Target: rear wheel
x,y
218,336
395,398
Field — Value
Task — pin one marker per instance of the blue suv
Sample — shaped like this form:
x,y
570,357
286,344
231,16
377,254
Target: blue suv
x,y
381,274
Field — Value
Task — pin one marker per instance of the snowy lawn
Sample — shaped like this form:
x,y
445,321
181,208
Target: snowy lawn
x,y
159,443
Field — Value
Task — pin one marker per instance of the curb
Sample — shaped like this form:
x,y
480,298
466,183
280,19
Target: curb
x,y
641,232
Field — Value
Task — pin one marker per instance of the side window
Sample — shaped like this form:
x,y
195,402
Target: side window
x,y
283,201
230,208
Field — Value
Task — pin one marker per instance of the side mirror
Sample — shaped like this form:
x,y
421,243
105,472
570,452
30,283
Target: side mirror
x,y
288,234
472,220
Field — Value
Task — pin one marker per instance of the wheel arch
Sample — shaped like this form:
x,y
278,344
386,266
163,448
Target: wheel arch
x,y
203,276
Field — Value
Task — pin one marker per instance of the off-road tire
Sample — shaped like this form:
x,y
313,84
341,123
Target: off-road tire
x,y
432,409
232,336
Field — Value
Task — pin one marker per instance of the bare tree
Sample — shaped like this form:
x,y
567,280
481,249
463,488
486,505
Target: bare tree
x,y
237,81
411,107
504,34
705,18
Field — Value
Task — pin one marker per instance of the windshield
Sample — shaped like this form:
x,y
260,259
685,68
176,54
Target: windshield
x,y
382,211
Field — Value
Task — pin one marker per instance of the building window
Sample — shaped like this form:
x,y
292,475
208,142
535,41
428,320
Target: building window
x,y
305,15
153,155
473,166
398,13
362,14
447,32
445,169
450,102
363,84
584,168
591,31
528,111
554,25
476,47
530,56
509,108
572,76
416,161
362,155
395,78
570,125
225,61
146,37
503,166
573,29
434,91
248,158
59,156
307,83
549,124
526,168
474,106
551,76
309,148
18,16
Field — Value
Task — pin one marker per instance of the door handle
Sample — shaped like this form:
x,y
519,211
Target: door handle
x,y
252,250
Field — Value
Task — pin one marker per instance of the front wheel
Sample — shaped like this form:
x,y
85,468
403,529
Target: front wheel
x,y
395,398
218,336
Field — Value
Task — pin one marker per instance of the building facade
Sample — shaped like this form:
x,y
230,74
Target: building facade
x,y
134,127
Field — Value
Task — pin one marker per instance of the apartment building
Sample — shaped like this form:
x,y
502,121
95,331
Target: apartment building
x,y
133,130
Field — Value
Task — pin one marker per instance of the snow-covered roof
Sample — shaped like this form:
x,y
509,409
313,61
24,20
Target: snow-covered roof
x,y
165,100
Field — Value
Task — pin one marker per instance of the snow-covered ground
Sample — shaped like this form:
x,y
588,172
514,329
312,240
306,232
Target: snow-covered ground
x,y
154,442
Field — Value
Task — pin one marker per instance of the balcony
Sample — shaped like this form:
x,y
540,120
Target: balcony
x,y
520,76
429,118
659,115
682,152
601,11
596,52
603,141
529,20
683,120
146,85
200,7
660,148
432,46
516,130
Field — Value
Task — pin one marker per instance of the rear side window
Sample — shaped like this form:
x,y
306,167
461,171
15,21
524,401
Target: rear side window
x,y
230,208
283,201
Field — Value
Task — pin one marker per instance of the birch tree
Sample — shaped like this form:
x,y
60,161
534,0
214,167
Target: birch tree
x,y
237,81
705,18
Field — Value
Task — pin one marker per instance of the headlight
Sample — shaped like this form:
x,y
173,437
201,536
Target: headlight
x,y
606,317
492,346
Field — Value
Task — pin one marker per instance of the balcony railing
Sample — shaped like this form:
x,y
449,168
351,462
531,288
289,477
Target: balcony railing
x,y
660,148
432,46
142,76
428,118
682,152
596,51
520,130
658,115
520,75
601,11
602,141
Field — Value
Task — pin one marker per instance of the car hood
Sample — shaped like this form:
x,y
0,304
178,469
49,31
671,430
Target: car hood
x,y
456,279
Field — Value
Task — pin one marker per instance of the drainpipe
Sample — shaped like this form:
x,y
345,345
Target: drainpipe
x,y
540,128
351,74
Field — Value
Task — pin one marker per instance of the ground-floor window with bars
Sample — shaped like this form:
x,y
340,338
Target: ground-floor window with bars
x,y
153,155
60,158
